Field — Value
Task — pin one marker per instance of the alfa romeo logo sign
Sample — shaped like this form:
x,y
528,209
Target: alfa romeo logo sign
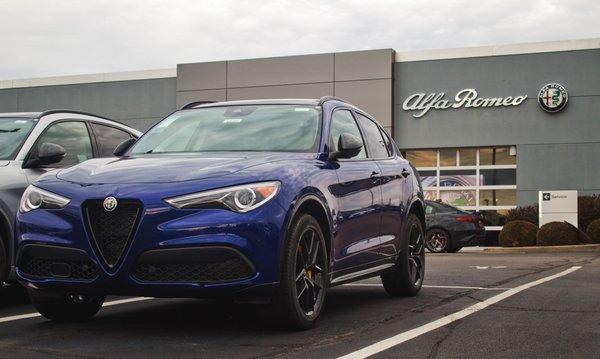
x,y
553,97
110,204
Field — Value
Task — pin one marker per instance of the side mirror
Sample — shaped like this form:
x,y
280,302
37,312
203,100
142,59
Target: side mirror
x,y
348,146
47,154
123,147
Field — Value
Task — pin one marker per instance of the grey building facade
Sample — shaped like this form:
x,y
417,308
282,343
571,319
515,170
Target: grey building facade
x,y
490,149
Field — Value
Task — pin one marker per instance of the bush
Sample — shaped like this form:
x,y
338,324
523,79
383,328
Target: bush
x,y
518,233
588,208
525,213
557,234
593,231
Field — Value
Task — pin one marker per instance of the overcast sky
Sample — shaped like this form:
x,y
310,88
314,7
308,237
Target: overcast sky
x,y
66,37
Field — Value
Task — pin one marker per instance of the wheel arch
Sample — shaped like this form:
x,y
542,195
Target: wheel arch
x,y
315,204
417,208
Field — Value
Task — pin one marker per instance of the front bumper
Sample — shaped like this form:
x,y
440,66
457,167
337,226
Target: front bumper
x,y
172,252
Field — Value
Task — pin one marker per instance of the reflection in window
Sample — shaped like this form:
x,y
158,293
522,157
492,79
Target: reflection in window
x,y
497,177
494,217
422,158
457,178
448,157
428,178
496,156
500,197
468,156
459,198
430,195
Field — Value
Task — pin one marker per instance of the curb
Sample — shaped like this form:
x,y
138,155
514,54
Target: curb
x,y
545,249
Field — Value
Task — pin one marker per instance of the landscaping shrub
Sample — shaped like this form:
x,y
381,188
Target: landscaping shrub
x,y
524,213
593,231
557,234
518,233
588,208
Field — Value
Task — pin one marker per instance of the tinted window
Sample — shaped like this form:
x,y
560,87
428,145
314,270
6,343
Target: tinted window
x,y
74,137
108,138
235,128
342,121
13,132
377,147
388,143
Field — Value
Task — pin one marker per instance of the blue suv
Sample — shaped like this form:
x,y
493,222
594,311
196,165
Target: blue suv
x,y
272,200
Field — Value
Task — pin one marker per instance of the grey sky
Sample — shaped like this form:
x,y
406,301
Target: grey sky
x,y
64,37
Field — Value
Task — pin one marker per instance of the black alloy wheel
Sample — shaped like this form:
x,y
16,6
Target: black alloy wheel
x,y
304,275
406,277
438,241
310,281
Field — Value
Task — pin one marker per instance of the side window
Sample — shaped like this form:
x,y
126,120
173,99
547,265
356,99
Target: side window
x,y
388,143
75,139
377,147
342,121
108,138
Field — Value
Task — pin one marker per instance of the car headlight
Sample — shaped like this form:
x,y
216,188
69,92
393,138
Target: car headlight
x,y
34,198
240,199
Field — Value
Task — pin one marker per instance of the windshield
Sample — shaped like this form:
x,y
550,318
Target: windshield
x,y
286,128
13,132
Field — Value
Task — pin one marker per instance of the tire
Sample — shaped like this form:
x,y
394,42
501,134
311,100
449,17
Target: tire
x,y
303,286
454,249
438,241
3,262
67,307
406,277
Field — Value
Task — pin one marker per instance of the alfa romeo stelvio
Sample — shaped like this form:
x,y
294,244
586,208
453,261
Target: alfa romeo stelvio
x,y
271,201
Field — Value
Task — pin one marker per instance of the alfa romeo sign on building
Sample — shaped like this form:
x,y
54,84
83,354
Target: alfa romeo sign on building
x,y
553,97
467,98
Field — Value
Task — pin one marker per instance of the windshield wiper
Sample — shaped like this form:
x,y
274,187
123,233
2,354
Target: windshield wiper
x,y
9,131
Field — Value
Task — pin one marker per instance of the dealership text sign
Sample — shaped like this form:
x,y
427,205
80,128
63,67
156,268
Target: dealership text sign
x,y
467,98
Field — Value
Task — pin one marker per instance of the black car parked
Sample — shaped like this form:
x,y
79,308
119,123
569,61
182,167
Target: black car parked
x,y
449,228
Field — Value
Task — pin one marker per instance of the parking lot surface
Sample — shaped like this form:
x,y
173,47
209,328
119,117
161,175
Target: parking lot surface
x,y
517,305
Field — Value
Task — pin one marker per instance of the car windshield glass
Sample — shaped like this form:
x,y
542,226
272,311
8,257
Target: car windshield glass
x,y
286,128
13,132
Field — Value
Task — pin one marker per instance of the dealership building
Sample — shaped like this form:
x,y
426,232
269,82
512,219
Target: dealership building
x,y
487,127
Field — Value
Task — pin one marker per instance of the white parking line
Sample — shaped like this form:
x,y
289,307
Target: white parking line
x,y
107,304
429,286
413,333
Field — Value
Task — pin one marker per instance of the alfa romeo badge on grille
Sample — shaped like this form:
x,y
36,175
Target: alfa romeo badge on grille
x,y
110,204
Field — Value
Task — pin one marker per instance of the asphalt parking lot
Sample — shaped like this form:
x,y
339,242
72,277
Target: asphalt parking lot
x,y
517,305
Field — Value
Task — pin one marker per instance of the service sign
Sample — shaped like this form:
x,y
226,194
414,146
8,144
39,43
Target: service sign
x,y
558,206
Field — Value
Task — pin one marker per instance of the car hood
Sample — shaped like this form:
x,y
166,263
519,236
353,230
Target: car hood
x,y
4,163
167,168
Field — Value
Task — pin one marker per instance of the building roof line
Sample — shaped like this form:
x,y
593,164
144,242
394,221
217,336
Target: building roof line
x,y
89,78
499,50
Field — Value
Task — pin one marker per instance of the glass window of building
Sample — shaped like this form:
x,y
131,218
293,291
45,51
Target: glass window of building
x,y
487,183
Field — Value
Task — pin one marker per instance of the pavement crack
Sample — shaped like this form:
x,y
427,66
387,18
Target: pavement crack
x,y
433,353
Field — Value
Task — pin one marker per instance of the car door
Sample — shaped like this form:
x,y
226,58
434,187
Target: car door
x,y
392,182
107,138
359,197
73,136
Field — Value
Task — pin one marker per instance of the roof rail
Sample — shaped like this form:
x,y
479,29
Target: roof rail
x,y
329,98
194,104
50,112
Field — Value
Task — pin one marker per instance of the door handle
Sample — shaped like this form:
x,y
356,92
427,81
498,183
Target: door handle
x,y
374,176
405,173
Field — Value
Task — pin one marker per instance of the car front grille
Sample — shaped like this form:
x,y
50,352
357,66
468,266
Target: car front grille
x,y
48,268
112,231
192,265
53,262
